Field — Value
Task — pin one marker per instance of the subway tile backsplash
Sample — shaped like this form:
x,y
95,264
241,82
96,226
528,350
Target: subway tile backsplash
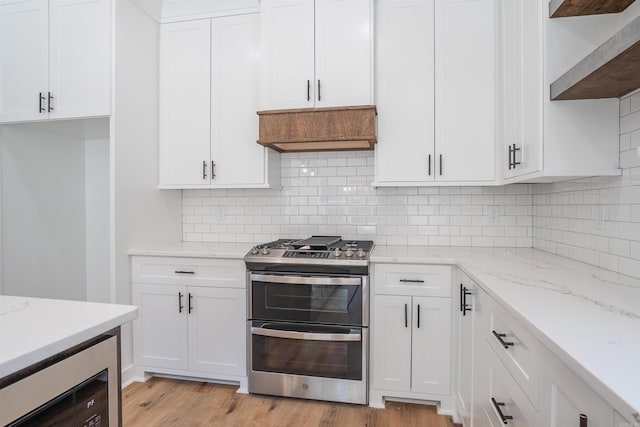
x,y
331,193
594,220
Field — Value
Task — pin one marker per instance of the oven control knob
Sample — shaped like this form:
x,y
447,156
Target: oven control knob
x,y
265,251
337,252
255,250
348,253
361,253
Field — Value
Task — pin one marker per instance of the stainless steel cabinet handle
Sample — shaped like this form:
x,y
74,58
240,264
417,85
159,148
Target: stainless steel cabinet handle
x,y
308,90
319,97
500,338
411,281
190,305
49,102
184,272
429,161
498,405
440,164
180,306
213,169
510,154
584,420
293,280
464,307
204,169
40,99
418,316
307,336
406,317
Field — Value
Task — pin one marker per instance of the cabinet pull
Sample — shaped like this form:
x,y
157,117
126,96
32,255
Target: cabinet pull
x,y
515,149
319,97
500,338
204,169
406,317
498,405
49,102
184,272
440,164
190,306
213,169
418,316
584,420
464,307
510,154
429,161
308,90
40,99
411,281
180,306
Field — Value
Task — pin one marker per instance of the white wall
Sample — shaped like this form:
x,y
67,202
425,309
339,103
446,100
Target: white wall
x,y
46,221
143,215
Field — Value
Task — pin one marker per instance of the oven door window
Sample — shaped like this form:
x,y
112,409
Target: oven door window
x,y
306,299
311,350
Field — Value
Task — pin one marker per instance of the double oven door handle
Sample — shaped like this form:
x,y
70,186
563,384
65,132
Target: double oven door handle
x,y
307,336
304,280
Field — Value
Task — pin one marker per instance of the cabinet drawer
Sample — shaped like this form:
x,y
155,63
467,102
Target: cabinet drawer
x,y
517,348
505,399
224,273
410,279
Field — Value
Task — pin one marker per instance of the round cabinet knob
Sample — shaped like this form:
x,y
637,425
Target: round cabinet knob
x,y
348,253
361,253
255,250
337,252
265,251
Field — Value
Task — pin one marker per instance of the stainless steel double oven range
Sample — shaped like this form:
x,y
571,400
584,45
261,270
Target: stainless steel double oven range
x,y
308,318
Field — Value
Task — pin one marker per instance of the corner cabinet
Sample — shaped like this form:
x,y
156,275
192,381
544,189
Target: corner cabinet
x,y
55,59
546,140
436,107
411,334
192,317
209,85
316,53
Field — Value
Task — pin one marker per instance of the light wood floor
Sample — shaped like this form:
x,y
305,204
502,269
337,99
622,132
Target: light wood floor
x,y
167,403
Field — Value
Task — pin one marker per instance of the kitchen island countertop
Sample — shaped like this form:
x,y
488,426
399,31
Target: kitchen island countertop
x,y
33,329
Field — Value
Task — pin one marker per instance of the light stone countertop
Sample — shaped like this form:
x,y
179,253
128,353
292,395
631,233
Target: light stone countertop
x,y
32,329
587,316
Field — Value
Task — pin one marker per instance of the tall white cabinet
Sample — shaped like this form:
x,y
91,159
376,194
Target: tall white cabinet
x,y
53,73
209,90
316,53
437,105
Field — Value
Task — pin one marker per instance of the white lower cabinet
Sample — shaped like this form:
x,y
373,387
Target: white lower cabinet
x,y
187,330
411,340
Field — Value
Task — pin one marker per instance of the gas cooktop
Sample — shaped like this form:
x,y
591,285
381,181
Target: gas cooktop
x,y
315,250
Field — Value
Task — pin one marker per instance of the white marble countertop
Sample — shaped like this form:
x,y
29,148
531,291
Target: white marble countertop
x,y
587,316
196,250
32,329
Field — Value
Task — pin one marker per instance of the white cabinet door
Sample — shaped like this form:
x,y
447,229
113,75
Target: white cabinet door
x,y
217,333
431,346
392,343
465,90
237,158
185,96
287,35
343,45
23,59
466,353
79,58
522,86
161,326
404,74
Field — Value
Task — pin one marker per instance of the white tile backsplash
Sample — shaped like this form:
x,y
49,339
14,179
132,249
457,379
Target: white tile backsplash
x,y
331,193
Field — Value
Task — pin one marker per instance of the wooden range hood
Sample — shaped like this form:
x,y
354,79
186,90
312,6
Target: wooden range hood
x,y
319,129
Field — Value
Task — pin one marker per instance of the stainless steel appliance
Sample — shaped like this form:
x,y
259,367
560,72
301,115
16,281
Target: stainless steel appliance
x,y
308,318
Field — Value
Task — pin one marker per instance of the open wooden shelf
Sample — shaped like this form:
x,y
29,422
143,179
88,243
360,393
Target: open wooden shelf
x,y
610,71
564,8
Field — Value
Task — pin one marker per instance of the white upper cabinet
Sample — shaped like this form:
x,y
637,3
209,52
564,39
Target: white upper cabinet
x,y
546,140
435,89
55,59
316,53
209,77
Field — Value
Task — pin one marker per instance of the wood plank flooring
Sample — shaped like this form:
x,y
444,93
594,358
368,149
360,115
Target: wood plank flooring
x,y
167,402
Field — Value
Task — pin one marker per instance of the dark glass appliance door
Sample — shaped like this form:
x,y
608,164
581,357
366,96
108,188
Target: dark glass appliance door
x,y
314,299
310,350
